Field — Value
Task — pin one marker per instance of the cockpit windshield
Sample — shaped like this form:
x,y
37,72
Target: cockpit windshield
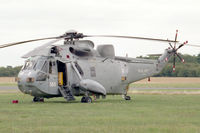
x,y
36,64
39,64
29,64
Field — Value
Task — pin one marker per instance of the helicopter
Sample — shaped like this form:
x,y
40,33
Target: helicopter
x,y
76,68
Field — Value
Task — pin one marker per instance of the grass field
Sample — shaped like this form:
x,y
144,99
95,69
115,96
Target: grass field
x,y
149,111
168,82
144,113
8,84
165,85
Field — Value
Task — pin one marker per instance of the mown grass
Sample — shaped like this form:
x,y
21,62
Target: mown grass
x,y
164,90
8,84
144,113
165,85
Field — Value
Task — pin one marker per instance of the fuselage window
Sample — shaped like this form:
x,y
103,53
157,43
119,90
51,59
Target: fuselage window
x,y
52,67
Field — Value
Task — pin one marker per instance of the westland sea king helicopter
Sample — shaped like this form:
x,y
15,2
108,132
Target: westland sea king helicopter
x,y
75,68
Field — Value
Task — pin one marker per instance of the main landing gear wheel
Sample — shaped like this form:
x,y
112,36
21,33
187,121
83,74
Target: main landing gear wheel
x,y
38,99
83,99
127,98
86,99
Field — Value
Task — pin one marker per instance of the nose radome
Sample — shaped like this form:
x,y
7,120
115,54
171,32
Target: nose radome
x,y
25,78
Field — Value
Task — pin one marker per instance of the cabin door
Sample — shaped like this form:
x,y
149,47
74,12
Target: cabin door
x,y
62,72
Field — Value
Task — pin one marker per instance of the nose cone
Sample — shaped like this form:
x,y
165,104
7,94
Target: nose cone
x,y
26,79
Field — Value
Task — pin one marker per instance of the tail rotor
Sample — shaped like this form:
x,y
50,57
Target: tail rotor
x,y
174,51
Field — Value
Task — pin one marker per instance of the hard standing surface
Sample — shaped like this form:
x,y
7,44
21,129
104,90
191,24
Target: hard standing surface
x,y
8,87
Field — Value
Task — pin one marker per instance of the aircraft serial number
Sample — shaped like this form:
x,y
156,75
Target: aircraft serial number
x,y
143,70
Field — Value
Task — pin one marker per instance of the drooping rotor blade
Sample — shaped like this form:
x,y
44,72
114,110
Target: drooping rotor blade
x,y
132,37
21,42
68,35
40,50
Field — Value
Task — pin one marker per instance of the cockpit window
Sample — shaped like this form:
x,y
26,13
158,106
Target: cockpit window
x,y
44,68
28,65
39,65
35,64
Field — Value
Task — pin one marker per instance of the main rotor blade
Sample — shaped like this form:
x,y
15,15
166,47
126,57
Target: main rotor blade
x,y
132,37
21,42
37,50
193,45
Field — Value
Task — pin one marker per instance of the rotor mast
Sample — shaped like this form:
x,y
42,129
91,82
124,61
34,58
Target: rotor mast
x,y
70,36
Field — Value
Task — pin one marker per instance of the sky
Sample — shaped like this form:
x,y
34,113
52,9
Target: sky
x,y
30,19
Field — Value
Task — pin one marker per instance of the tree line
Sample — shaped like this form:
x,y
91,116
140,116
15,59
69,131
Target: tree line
x,y
9,71
191,68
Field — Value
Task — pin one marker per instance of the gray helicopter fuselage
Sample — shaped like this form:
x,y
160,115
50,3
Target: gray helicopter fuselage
x,y
79,62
